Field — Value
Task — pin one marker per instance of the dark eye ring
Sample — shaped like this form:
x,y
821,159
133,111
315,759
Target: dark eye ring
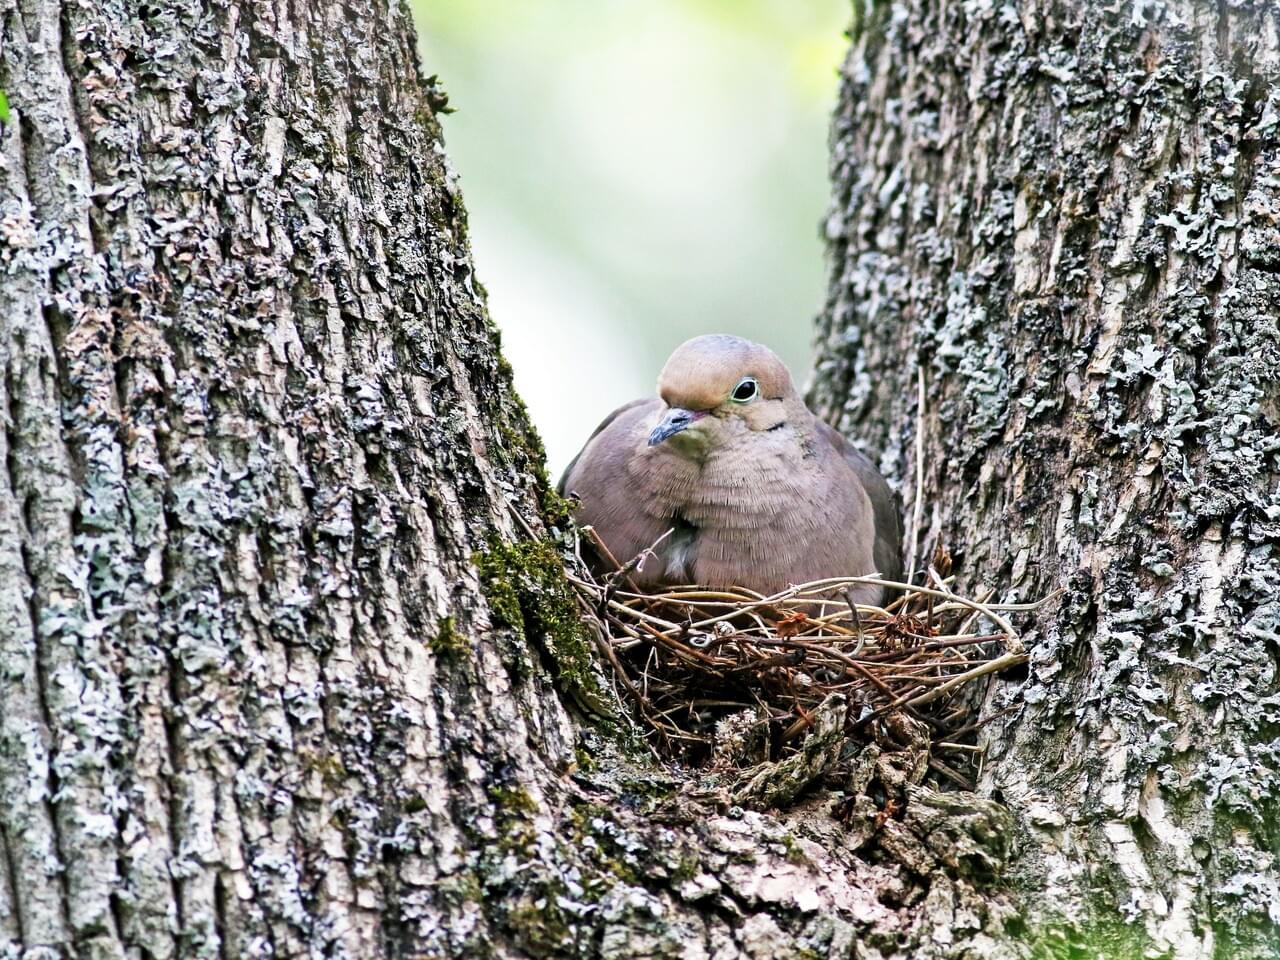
x,y
745,390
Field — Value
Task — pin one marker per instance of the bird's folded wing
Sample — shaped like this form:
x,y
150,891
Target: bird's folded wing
x,y
599,474
887,552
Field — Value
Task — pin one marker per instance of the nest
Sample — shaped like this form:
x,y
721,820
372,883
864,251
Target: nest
x,y
716,674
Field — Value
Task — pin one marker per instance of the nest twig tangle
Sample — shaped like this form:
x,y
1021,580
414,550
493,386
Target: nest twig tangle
x,y
688,659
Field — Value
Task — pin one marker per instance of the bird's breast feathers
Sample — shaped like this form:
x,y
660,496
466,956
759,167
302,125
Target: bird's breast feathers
x,y
739,490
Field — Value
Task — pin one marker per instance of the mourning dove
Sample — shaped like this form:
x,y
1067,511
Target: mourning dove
x,y
757,491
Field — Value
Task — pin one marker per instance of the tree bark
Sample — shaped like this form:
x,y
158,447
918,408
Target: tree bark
x,y
256,429
288,662
289,665
1063,219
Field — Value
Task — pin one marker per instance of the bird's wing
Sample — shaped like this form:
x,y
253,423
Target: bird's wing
x,y
561,487
887,551
602,478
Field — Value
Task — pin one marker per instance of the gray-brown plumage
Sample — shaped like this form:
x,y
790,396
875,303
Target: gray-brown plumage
x,y
760,493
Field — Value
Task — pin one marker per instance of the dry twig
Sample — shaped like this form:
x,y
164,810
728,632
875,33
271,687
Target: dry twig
x,y
685,657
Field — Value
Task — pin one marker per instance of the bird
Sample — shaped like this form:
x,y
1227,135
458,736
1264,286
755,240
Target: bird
x,y
750,488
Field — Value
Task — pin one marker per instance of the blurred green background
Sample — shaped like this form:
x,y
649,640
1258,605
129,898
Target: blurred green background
x,y
637,173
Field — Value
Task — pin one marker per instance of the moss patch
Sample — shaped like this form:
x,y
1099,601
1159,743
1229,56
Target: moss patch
x,y
527,591
447,641
594,829
556,510
329,766
514,802
584,760
1102,939
540,927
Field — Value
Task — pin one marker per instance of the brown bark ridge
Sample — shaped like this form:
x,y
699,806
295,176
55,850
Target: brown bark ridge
x,y
1065,217
288,662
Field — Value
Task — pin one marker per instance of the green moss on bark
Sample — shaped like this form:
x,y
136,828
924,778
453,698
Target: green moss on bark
x,y
527,591
447,641
1101,940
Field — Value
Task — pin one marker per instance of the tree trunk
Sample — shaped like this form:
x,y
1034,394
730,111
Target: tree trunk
x,y
256,429
288,662
1063,219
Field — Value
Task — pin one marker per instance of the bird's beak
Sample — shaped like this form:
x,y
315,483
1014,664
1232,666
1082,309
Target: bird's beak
x,y
677,419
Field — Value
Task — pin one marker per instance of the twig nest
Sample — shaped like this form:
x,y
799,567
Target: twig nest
x,y
726,677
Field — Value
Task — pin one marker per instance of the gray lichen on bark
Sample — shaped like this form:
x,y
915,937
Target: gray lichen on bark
x,y
1067,216
281,675
256,427
279,672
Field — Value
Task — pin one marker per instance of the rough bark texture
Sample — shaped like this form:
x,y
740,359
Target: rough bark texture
x,y
1067,215
285,650
288,663
255,427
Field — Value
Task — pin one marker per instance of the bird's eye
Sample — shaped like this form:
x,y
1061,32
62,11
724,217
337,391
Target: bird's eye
x,y
745,390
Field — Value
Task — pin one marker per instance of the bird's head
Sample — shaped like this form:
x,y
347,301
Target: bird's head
x,y
717,388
